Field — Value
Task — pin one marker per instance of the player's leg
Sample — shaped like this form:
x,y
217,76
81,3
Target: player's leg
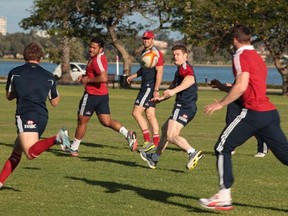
x,y
274,137
138,114
232,136
30,127
11,163
85,111
104,117
153,122
262,148
142,102
152,158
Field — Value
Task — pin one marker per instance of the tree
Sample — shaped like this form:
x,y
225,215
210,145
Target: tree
x,y
115,17
209,23
62,18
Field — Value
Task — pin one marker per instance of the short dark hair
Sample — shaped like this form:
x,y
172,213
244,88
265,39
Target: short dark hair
x,y
181,47
242,33
33,51
99,41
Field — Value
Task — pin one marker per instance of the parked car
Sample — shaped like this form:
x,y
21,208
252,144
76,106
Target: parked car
x,y
76,69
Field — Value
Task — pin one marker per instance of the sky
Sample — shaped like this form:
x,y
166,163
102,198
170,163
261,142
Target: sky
x,y
15,11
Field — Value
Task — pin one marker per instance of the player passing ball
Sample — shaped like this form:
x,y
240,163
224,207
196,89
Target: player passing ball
x,y
184,86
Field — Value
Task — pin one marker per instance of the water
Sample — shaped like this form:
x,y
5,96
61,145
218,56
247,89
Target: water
x,y
203,73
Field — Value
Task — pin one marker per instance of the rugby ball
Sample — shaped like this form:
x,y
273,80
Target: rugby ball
x,y
149,59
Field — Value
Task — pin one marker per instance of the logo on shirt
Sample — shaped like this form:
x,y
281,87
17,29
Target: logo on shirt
x,y
30,124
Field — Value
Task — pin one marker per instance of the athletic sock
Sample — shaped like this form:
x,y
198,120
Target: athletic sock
x,y
9,166
191,151
123,131
75,145
40,146
156,139
146,135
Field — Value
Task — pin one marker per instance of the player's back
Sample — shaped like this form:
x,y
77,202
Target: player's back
x,y
32,84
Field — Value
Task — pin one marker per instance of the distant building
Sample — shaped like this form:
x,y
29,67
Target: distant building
x,y
3,26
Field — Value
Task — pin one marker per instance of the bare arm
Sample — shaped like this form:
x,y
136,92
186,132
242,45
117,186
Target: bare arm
x,y
172,90
242,81
131,77
159,75
101,78
55,101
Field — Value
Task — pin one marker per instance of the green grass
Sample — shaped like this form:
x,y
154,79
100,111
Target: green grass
x,y
108,179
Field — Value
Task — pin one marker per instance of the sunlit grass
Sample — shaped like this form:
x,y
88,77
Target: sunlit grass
x,y
108,179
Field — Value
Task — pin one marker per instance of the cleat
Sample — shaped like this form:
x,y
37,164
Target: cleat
x,y
216,203
132,141
193,159
260,155
63,139
147,147
148,158
74,153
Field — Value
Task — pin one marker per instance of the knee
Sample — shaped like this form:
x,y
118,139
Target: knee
x,y
105,123
170,138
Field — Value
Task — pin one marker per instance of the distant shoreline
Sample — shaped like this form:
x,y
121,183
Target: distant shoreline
x,y
196,64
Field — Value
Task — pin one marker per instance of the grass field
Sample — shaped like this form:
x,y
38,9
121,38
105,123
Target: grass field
x,y
108,179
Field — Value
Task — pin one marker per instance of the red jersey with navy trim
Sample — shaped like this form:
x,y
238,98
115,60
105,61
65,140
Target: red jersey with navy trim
x,y
189,96
248,60
97,65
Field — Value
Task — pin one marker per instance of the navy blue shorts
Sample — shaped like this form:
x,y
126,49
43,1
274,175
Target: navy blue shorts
x,y
183,115
31,122
144,96
94,103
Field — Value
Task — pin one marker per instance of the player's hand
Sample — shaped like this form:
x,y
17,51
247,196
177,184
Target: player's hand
x,y
84,79
129,79
209,109
157,99
215,83
168,93
79,78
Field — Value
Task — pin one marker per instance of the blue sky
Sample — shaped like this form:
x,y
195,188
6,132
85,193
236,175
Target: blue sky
x,y
15,11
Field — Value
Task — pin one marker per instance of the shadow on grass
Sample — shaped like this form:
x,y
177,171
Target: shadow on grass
x,y
156,195
161,196
9,188
109,160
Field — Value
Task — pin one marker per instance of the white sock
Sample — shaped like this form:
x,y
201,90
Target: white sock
x,y
75,145
190,151
155,157
225,193
123,131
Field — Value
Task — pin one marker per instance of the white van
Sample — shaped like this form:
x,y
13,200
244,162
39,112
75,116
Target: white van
x,y
76,69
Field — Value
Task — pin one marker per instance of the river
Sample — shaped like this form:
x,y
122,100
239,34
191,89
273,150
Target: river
x,y
203,73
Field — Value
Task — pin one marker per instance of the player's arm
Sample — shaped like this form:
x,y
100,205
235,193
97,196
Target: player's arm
x,y
53,95
159,75
240,86
132,76
186,83
100,78
10,95
55,101
222,87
